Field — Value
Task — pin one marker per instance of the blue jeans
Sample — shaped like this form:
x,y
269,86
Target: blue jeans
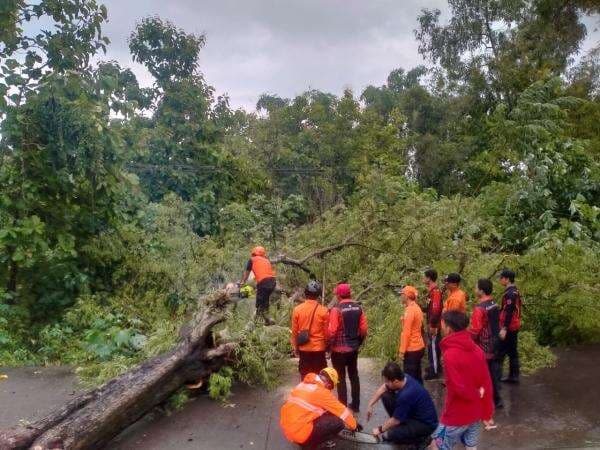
x,y
447,437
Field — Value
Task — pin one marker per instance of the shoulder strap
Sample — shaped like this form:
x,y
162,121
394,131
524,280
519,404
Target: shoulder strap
x,y
312,317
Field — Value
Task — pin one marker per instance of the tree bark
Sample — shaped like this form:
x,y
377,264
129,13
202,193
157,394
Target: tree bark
x,y
94,418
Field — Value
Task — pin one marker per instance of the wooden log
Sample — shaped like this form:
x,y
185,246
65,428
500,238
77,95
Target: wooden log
x,y
94,418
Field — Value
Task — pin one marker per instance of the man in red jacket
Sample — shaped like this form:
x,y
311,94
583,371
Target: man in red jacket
x,y
347,331
434,313
468,386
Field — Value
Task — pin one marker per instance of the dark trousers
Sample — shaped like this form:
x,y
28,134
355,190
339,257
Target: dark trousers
x,y
412,364
409,432
509,346
495,368
434,354
324,428
264,289
342,362
311,362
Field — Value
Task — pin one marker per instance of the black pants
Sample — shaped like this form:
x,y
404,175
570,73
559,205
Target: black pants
x,y
412,364
264,289
324,428
342,362
434,354
311,362
495,368
509,346
409,432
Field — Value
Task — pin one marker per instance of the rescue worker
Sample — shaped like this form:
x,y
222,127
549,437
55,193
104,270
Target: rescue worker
x,y
310,322
510,323
347,331
434,313
457,299
311,414
468,399
412,347
264,274
412,413
485,329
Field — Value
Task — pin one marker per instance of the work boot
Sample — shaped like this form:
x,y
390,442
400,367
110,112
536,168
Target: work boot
x,y
431,376
510,379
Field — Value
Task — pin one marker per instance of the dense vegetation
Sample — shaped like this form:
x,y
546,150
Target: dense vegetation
x,y
120,205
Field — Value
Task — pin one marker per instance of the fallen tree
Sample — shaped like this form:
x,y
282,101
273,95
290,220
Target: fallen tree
x,y
94,418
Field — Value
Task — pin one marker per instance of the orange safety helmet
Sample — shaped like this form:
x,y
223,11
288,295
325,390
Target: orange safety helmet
x,y
259,251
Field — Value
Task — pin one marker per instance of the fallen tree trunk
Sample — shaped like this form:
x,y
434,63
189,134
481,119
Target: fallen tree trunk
x,y
94,418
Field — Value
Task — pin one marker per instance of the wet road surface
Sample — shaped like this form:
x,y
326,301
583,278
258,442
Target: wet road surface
x,y
553,409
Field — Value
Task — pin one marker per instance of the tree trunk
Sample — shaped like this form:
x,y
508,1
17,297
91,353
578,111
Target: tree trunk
x,y
94,418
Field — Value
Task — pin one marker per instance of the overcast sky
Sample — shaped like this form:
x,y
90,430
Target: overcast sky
x,y
285,46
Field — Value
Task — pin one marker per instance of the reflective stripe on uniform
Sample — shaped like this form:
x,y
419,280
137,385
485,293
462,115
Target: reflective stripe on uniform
x,y
345,414
307,387
304,404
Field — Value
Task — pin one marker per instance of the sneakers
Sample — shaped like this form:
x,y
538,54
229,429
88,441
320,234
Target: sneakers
x,y
328,444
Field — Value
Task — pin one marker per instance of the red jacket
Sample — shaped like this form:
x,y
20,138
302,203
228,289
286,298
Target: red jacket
x,y
465,372
347,314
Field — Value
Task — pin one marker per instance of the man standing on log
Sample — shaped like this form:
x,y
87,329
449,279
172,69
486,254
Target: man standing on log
x,y
412,347
434,313
457,299
347,331
310,322
264,274
510,323
312,415
485,328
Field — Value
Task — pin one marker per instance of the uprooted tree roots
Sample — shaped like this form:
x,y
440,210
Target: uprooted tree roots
x,y
94,418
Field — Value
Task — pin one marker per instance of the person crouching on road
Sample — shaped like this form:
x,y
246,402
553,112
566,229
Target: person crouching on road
x,y
412,346
310,322
412,413
347,331
312,415
468,387
264,274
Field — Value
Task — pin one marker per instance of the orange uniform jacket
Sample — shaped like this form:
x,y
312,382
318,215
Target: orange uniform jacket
x,y
262,268
307,402
411,337
318,330
456,300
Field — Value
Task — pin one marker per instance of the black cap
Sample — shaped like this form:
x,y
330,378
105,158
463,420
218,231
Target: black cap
x,y
452,278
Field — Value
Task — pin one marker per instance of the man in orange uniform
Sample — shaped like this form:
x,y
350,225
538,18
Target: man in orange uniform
x,y
412,346
457,299
311,415
264,274
310,322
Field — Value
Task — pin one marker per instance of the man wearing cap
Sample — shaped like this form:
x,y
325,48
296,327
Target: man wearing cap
x,y
310,321
264,274
347,331
412,346
312,415
457,299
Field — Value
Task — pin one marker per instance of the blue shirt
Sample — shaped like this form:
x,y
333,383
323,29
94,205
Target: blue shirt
x,y
414,402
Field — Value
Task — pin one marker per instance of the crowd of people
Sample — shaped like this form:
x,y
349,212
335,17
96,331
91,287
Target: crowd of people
x,y
467,352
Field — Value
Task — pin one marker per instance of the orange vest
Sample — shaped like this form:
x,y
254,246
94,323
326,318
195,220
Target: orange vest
x,y
307,402
456,300
262,268
411,337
